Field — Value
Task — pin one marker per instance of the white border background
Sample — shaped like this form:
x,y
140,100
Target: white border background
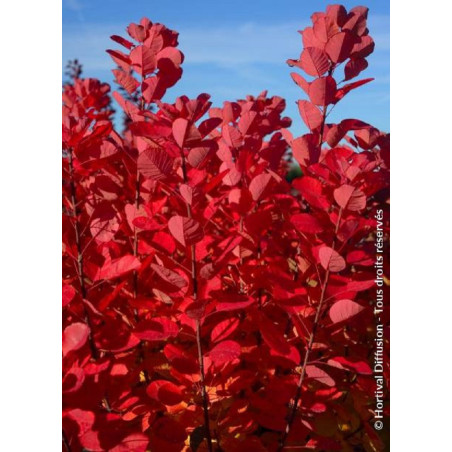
x,y
30,231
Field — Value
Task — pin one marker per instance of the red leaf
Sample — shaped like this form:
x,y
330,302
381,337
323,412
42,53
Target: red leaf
x,y
233,305
165,392
197,156
312,191
68,294
224,329
169,276
360,367
340,93
156,329
246,121
314,61
232,136
343,310
331,260
137,32
117,267
363,48
180,126
322,91
310,114
129,83
186,231
320,375
337,13
273,336
120,58
259,184
306,149
155,163
300,81
104,222
307,223
122,41
354,67
74,337
168,430
136,442
196,310
224,352
350,198
339,46
143,60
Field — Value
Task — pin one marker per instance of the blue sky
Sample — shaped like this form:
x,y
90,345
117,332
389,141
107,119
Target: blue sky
x,y
232,48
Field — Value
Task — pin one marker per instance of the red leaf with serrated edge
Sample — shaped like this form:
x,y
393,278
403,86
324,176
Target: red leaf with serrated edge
x,y
322,91
224,329
74,337
343,310
165,392
310,114
350,198
155,163
314,61
259,184
224,352
331,260
143,60
117,267
339,46
186,231
156,329
169,276
304,222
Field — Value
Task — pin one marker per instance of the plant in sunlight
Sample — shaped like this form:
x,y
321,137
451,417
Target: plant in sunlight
x,y
208,303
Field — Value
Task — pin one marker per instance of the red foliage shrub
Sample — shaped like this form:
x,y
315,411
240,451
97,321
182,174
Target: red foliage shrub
x,y
208,303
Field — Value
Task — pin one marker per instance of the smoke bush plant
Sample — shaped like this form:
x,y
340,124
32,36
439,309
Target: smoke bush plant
x,y
209,304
